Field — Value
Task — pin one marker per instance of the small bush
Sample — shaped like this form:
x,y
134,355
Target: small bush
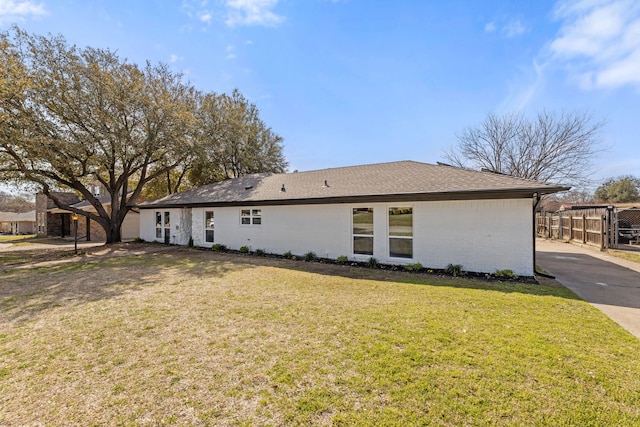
x,y
244,249
287,255
218,247
139,240
373,263
260,252
506,274
190,244
454,269
413,267
342,259
310,256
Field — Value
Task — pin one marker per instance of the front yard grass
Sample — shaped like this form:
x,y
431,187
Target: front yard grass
x,y
200,338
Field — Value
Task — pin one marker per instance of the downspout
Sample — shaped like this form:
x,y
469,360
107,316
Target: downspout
x,y
536,201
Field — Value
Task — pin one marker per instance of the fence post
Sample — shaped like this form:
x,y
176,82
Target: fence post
x,y
560,226
602,235
570,227
584,229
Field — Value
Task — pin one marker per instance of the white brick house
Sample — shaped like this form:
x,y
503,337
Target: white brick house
x,y
399,212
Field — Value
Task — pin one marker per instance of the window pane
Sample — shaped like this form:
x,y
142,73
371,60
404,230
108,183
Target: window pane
x,y
158,233
158,219
245,212
246,221
208,221
209,236
166,220
400,221
363,245
257,220
363,221
256,212
401,248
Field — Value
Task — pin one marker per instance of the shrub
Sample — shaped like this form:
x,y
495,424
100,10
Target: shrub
x,y
413,267
373,263
454,269
260,252
244,249
310,256
507,274
190,244
342,259
218,247
288,255
139,240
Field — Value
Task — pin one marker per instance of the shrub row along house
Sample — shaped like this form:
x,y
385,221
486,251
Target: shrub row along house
x,y
399,213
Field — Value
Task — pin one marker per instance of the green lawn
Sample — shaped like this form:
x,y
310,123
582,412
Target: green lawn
x,y
11,238
198,338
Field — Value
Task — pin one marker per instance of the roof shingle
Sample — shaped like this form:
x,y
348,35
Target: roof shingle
x,y
401,180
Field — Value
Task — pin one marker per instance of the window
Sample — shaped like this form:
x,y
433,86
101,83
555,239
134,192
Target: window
x,y
208,226
362,219
167,227
163,226
251,216
401,232
158,225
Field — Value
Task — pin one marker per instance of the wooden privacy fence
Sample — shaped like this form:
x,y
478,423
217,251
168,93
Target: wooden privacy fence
x,y
589,230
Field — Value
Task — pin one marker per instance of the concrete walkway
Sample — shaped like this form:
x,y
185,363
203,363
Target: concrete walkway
x,y
610,284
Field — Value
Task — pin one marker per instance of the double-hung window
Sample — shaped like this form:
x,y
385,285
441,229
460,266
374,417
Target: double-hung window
x,y
401,232
251,216
163,226
208,226
362,220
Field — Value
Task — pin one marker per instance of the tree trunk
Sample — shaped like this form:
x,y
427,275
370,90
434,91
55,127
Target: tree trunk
x,y
113,232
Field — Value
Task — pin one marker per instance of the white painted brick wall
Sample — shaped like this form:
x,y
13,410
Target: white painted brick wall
x,y
482,235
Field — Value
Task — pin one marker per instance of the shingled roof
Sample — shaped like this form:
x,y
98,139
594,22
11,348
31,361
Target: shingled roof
x,y
393,181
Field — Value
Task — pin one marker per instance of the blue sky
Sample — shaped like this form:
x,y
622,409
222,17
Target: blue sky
x,y
349,82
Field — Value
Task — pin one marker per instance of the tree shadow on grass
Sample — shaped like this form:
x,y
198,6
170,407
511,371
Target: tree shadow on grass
x,y
25,293
545,287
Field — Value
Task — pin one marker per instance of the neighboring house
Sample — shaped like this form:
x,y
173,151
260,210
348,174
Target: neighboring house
x,y
399,213
53,221
18,223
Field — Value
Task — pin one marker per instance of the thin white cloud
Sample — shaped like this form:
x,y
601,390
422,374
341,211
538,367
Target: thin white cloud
x,y
205,16
10,9
230,52
175,58
514,28
524,88
490,27
600,41
253,12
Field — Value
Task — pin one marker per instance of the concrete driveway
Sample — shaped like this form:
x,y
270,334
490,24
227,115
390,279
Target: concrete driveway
x,y
610,284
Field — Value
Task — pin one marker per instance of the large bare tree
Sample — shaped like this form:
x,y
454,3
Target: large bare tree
x,y
552,147
72,117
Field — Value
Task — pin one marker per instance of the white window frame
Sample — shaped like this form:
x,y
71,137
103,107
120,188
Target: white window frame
x,y
390,236
209,227
163,228
354,235
251,217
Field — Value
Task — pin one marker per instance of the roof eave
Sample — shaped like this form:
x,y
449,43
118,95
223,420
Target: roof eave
x,y
514,193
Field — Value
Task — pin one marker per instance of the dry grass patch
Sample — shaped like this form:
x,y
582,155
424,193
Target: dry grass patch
x,y
628,255
195,338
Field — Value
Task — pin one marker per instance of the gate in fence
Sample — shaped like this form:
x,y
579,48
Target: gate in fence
x,y
605,228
